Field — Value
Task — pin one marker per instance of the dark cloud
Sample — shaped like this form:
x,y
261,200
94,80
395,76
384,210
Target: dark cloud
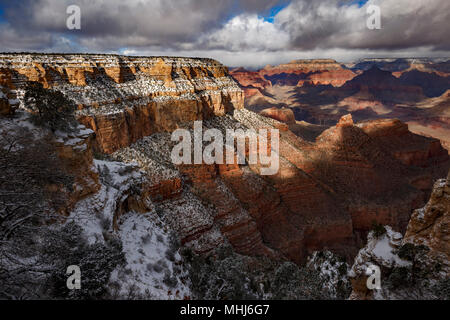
x,y
226,26
333,24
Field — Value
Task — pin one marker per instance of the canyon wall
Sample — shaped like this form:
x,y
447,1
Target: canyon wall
x,y
413,266
416,91
126,98
326,194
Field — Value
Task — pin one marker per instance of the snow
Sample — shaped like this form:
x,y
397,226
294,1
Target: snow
x,y
152,153
13,101
420,213
85,132
329,266
150,259
380,251
101,94
116,178
21,121
383,250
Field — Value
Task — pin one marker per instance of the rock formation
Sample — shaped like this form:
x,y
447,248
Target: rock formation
x,y
124,98
430,225
326,194
415,266
7,103
299,72
321,91
251,82
283,115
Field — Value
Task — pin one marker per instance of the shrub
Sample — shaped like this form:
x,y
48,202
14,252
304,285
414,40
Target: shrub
x,y
67,246
399,278
227,275
378,229
409,251
169,280
442,289
52,109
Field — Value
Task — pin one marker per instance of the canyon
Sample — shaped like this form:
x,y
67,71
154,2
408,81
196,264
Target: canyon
x,y
319,92
334,181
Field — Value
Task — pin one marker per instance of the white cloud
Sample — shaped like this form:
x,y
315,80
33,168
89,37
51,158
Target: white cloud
x,y
257,59
247,32
231,31
330,24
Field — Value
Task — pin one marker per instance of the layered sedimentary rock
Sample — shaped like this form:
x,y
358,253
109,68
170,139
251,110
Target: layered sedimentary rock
x,y
125,98
369,167
299,72
410,149
430,225
413,266
325,195
8,104
412,90
439,66
272,84
252,82
75,150
283,115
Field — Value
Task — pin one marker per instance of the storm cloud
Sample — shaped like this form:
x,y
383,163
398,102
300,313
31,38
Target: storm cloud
x,y
232,31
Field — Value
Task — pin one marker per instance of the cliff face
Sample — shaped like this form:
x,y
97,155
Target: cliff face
x,y
321,91
415,266
325,195
7,102
430,225
284,115
123,98
317,72
252,82
295,73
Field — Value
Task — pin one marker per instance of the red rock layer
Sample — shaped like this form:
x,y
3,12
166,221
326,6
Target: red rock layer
x,y
126,98
295,73
312,71
430,225
78,161
366,166
284,115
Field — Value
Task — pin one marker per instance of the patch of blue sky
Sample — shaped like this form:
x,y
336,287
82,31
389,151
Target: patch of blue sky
x,y
360,3
273,11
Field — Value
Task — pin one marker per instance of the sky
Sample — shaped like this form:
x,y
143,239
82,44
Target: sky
x,y
248,33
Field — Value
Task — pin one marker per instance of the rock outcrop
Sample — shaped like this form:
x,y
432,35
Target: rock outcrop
x,y
126,98
275,85
75,150
415,266
381,251
252,82
300,72
325,195
430,225
321,91
283,115
7,103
